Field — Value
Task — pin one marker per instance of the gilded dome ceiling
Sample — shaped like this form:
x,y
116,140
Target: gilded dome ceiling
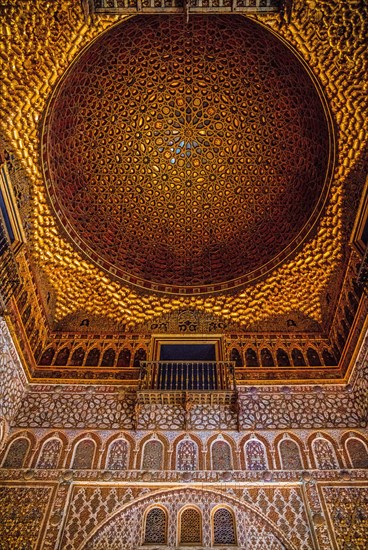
x,y
187,157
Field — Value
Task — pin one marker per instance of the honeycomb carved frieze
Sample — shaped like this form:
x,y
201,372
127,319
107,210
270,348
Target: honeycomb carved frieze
x,y
21,188
346,26
202,155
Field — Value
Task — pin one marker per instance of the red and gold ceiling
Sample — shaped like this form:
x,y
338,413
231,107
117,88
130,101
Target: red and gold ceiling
x,y
187,157
212,207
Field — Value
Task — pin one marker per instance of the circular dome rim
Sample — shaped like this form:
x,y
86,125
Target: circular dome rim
x,y
148,285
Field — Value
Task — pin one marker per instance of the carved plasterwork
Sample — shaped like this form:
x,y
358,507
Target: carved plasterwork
x,y
12,379
20,526
283,522
295,507
258,407
346,507
64,409
304,507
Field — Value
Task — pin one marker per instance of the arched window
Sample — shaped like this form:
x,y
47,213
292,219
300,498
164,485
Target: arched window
x,y
266,358
93,358
152,455
255,455
118,455
251,359
236,357
328,358
190,527
77,357
358,453
16,454
62,357
108,358
140,355
290,455
187,455
83,455
124,358
50,454
224,531
221,456
282,358
298,358
313,358
324,454
155,531
47,357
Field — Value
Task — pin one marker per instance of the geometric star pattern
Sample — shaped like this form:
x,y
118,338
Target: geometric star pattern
x,y
187,154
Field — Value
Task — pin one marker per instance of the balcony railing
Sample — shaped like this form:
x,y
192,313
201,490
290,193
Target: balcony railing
x,y
187,376
187,383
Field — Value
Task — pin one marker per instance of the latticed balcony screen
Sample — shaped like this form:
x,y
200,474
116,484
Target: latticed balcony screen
x,y
187,375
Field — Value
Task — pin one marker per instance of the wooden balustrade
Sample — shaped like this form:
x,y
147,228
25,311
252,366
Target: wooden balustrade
x,y
187,376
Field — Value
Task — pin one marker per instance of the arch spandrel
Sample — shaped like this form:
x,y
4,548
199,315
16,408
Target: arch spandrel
x,y
126,526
